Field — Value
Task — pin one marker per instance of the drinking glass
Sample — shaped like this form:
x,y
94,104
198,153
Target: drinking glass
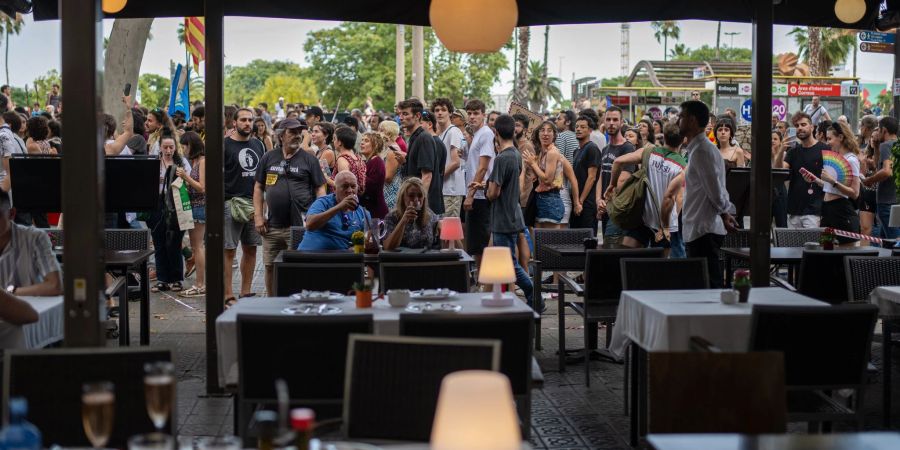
x,y
97,411
159,390
219,443
151,441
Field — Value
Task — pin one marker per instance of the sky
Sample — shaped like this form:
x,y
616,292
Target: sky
x,y
574,50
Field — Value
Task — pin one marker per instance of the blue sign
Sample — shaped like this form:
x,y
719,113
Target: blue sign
x,y
179,94
746,110
875,36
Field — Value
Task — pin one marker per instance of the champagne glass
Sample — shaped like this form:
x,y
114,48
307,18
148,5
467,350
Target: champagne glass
x,y
159,390
97,411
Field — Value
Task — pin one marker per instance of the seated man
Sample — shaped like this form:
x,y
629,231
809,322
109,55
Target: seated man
x,y
27,264
332,219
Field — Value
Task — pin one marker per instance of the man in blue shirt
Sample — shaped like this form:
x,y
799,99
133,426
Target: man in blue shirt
x,y
332,219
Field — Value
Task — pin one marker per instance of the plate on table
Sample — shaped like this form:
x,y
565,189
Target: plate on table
x,y
432,294
317,296
311,309
432,308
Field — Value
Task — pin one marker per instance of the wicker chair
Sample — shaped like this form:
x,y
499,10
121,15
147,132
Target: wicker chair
x,y
645,274
822,274
296,236
865,273
796,237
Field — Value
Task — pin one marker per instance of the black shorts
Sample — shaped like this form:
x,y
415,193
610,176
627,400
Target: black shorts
x,y
841,214
867,200
647,237
478,226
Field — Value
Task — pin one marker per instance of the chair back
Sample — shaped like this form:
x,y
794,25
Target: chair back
x,y
515,331
52,379
822,275
317,272
865,273
646,274
824,347
572,236
296,236
603,272
739,238
127,239
717,393
392,383
425,275
796,237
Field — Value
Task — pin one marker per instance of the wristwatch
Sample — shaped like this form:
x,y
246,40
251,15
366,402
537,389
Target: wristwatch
x,y
11,289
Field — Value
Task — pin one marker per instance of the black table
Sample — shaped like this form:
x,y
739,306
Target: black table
x,y
837,441
789,256
374,259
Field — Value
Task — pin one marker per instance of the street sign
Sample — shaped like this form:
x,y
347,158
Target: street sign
x,y
896,86
875,36
780,90
726,89
778,108
699,72
745,89
655,113
808,90
876,47
747,109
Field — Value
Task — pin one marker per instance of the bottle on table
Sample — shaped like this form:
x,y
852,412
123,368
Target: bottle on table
x,y
20,434
267,427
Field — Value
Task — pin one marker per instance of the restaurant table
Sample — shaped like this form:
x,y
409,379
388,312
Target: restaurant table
x,y
789,256
836,441
386,320
664,321
888,300
47,330
372,258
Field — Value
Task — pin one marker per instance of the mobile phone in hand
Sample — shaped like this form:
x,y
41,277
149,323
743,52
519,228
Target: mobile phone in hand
x,y
127,91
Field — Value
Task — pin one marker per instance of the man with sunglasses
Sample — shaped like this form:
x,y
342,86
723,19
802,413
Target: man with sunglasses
x,y
332,219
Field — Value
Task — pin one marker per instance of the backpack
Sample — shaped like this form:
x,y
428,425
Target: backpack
x,y
627,207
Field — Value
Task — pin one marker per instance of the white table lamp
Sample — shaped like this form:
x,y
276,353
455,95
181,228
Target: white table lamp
x,y
894,221
475,411
497,269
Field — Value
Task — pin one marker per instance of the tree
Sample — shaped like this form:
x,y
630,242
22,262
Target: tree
x,y
539,92
663,30
678,51
707,53
823,48
154,90
43,84
10,25
520,92
242,83
122,61
293,89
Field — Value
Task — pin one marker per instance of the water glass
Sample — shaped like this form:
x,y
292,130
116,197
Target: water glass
x,y
151,441
219,443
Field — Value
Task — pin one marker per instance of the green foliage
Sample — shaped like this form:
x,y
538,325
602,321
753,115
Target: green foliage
x,y
242,83
44,83
154,90
663,30
707,53
836,45
18,97
293,89
678,51
540,94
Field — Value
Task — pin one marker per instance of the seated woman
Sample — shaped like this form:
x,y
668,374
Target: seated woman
x,y
333,218
411,223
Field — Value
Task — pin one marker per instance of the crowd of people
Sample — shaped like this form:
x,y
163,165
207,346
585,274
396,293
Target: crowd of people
x,y
502,174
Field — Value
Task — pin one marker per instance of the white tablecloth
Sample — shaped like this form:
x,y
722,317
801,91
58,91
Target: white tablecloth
x,y
386,321
888,300
47,330
664,321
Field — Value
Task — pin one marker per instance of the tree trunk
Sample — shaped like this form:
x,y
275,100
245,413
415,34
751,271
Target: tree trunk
x,y
544,77
665,47
6,61
718,39
520,93
814,49
122,63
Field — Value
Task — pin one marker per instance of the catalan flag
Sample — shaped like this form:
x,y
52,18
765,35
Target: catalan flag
x,y
194,30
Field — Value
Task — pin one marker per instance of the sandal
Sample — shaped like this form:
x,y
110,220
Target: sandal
x,y
229,302
251,294
176,286
194,291
159,287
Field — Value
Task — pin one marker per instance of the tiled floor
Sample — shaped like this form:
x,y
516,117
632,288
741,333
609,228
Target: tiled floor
x,y
565,413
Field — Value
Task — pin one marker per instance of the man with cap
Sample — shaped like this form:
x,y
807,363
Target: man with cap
x,y
287,184
314,115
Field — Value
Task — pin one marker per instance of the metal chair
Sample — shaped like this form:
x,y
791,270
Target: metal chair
x,y
817,358
317,271
309,352
52,379
514,330
796,237
645,274
393,382
424,275
296,236
128,239
822,274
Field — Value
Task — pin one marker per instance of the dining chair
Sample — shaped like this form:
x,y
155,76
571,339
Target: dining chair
x,y
796,237
601,291
51,380
644,274
826,350
822,274
317,272
701,392
308,352
424,275
515,332
393,382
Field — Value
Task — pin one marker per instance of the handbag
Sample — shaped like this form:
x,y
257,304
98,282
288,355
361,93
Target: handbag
x,y
627,208
241,209
530,211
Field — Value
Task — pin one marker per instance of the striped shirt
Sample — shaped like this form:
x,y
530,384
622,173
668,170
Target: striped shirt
x,y
664,166
567,144
27,258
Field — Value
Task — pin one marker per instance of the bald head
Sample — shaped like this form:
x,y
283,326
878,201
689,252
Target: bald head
x,y
345,184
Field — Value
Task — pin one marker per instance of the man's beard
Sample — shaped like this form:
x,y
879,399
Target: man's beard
x,y
242,132
519,136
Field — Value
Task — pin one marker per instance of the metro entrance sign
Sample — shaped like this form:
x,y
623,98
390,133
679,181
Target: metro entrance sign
x,y
875,36
778,108
876,47
809,90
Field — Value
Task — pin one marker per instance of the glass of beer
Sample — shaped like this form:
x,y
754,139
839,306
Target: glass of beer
x,y
159,390
98,402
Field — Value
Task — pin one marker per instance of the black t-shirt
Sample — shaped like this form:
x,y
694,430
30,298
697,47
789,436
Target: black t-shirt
x,y
610,153
506,215
241,162
800,201
290,185
585,158
423,154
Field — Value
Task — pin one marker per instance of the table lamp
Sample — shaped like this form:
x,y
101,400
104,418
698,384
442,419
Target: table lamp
x,y
475,411
451,230
497,269
894,220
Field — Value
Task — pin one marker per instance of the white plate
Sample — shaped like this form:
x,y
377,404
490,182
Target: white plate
x,y
317,296
309,309
432,308
432,294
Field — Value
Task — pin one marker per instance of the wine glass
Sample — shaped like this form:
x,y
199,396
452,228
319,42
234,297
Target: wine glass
x,y
97,411
159,390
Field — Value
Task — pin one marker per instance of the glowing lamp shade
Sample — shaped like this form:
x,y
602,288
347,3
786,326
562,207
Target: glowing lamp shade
x,y
475,411
497,269
451,230
473,26
114,6
850,11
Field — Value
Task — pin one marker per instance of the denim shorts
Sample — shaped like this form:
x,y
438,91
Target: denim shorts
x,y
550,207
199,213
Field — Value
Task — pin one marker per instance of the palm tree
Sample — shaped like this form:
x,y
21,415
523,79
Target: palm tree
x,y
540,92
823,48
520,91
545,87
10,25
663,30
679,51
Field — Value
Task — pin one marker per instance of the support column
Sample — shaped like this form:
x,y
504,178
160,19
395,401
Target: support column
x,y
418,60
896,72
215,187
83,190
400,68
761,170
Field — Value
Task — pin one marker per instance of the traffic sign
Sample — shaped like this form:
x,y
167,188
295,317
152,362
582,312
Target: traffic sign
x,y
875,36
876,47
778,107
747,109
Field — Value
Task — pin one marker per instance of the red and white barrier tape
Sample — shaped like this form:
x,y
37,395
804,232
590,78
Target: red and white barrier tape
x,y
851,235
